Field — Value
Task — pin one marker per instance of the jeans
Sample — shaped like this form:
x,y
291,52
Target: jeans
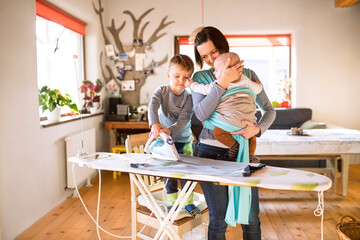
x,y
172,183
217,198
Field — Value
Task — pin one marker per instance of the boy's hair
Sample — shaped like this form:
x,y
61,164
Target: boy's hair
x,y
183,61
214,35
234,58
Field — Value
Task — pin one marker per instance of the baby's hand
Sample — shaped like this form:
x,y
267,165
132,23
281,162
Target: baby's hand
x,y
155,129
188,82
229,74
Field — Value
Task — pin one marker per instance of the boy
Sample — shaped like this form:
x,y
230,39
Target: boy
x,y
170,111
233,108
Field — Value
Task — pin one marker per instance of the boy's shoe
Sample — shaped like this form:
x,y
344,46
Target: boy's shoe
x,y
193,210
254,159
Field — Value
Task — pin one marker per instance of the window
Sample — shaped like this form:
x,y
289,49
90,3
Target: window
x,y
268,55
59,43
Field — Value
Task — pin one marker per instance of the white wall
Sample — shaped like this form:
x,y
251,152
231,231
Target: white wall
x,y
32,181
32,158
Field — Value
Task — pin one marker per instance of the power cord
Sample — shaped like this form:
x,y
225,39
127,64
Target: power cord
x,y
98,209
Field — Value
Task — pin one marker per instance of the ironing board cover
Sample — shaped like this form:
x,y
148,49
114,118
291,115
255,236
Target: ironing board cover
x,y
208,170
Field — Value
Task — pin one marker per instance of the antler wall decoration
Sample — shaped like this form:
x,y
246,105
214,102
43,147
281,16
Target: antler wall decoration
x,y
138,46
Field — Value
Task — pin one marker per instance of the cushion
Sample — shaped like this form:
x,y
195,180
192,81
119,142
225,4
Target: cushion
x,y
309,124
199,201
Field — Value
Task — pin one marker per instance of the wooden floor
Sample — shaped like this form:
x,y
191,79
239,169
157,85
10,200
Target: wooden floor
x,y
284,214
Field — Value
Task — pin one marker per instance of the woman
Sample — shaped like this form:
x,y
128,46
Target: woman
x,y
209,44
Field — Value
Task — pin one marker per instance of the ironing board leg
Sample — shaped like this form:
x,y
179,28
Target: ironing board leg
x,y
165,220
133,209
153,205
178,205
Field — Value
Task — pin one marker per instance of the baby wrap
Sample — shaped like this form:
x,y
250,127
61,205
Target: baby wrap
x,y
240,197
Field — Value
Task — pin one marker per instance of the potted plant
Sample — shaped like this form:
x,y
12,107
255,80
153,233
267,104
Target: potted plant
x,y
52,100
91,95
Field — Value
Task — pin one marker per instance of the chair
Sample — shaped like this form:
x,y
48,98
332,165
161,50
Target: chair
x,y
118,149
141,214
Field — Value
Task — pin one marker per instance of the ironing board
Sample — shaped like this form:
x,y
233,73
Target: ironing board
x,y
198,169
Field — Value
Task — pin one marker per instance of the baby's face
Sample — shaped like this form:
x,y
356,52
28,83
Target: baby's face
x,y
218,66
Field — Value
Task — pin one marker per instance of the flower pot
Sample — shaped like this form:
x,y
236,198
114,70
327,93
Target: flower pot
x,y
54,116
96,107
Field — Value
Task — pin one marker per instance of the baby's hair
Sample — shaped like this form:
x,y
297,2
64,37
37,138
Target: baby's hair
x,y
234,58
183,61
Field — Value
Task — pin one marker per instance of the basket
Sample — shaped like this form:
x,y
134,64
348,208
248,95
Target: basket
x,y
348,228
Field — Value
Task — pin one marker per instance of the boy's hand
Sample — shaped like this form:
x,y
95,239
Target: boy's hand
x,y
188,82
155,129
166,130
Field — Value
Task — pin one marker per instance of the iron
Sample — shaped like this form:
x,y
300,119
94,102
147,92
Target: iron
x,y
162,149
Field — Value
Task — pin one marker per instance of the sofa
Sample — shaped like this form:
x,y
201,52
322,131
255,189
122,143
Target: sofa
x,y
286,118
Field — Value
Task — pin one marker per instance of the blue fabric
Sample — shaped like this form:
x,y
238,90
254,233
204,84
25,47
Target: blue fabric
x,y
204,76
240,197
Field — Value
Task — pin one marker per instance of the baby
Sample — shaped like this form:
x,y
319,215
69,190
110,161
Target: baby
x,y
235,107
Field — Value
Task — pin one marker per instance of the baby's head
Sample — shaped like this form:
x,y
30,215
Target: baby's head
x,y
220,62
180,69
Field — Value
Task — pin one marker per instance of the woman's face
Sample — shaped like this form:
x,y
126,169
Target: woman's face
x,y
208,52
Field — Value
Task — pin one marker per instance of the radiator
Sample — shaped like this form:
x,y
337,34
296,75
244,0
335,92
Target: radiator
x,y
73,145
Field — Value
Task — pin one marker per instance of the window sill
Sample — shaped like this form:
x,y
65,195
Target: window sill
x,y
67,119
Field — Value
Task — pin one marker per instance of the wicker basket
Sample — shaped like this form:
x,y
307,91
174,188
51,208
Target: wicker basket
x,y
348,228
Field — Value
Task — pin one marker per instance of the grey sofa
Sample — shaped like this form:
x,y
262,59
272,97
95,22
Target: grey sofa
x,y
286,118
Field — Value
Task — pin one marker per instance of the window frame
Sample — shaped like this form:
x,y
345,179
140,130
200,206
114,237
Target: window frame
x,y
273,41
55,14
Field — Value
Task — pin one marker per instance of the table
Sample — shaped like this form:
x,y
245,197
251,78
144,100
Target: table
x,y
319,143
123,127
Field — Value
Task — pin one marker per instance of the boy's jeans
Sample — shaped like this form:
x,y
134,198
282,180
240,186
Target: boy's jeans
x,y
217,198
172,183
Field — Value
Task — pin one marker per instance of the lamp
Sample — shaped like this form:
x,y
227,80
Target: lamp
x,y
198,29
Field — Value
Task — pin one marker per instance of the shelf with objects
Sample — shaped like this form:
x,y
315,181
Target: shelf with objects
x,y
128,63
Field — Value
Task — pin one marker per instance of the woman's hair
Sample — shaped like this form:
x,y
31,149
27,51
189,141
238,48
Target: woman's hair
x,y
214,35
183,61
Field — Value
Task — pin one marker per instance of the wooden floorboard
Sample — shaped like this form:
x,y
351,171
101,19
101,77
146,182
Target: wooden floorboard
x,y
284,214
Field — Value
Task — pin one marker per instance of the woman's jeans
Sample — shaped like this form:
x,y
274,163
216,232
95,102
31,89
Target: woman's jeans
x,y
217,198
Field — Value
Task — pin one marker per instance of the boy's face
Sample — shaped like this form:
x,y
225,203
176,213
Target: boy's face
x,y
178,76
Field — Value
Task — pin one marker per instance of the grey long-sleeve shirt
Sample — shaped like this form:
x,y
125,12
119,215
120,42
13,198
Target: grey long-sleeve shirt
x,y
205,105
173,112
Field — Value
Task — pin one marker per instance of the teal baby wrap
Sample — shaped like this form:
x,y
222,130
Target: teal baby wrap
x,y
240,197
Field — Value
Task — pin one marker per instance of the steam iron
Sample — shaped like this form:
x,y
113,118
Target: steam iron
x,y
162,149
